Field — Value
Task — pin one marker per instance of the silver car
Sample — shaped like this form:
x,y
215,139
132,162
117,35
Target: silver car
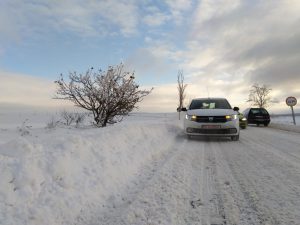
x,y
211,117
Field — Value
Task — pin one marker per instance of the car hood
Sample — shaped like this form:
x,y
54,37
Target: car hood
x,y
211,112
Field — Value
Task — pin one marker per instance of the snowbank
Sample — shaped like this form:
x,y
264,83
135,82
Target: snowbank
x,y
54,177
285,119
285,123
286,127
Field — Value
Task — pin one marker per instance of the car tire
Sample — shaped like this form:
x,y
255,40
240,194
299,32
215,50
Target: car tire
x,y
189,136
235,138
266,124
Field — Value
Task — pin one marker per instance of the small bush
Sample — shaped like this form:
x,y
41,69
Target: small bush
x,y
24,129
52,123
67,117
79,118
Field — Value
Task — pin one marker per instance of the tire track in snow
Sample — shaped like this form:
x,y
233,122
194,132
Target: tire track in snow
x,y
215,206
117,205
281,142
183,190
249,190
159,198
262,179
238,207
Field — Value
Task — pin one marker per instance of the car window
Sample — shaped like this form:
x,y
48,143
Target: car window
x,y
255,111
210,104
264,112
259,111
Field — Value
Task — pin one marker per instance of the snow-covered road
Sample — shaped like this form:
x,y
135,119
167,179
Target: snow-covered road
x,y
144,171
214,181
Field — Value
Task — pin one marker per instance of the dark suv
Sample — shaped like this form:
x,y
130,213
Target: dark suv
x,y
257,116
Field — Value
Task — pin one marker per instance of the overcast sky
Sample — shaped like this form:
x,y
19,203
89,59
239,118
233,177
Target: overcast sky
x,y
222,46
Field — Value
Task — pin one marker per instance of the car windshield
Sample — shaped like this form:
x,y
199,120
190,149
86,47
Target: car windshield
x,y
259,111
210,104
256,111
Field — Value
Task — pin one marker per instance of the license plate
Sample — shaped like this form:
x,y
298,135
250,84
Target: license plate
x,y
211,126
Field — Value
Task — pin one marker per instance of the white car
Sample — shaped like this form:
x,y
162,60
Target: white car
x,y
211,117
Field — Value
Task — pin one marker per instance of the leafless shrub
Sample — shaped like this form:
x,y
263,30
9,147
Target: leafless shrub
x,y
79,118
67,117
106,94
24,129
53,123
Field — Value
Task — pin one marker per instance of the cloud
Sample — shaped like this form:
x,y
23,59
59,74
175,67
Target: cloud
x,y
156,19
249,41
19,89
178,9
230,45
146,62
163,98
223,46
22,19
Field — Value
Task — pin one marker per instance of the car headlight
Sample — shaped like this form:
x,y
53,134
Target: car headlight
x,y
189,117
231,117
244,119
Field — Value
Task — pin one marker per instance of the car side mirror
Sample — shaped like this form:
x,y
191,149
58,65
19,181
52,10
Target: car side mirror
x,y
183,109
236,108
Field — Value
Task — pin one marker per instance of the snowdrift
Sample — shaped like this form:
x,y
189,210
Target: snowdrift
x,y
56,176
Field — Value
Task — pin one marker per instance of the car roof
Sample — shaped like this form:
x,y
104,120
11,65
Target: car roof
x,y
209,98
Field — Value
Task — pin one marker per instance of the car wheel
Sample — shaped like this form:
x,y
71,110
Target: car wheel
x,y
266,124
235,138
257,124
189,136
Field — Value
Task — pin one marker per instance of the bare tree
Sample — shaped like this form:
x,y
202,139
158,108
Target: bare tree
x,y
109,95
260,95
181,90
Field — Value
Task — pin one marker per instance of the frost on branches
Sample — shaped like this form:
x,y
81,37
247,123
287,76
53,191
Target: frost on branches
x,y
109,95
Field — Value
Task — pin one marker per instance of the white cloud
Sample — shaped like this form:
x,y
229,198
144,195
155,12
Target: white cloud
x,y
145,63
19,89
232,44
162,99
209,9
250,41
156,19
224,45
19,19
178,9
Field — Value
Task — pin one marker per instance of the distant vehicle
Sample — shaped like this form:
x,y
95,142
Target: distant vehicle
x,y
211,117
257,116
243,121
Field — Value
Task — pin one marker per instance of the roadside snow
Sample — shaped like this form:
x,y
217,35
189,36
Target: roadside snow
x,y
144,171
286,127
55,176
285,119
285,123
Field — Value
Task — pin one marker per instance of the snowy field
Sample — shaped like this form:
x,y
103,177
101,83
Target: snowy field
x,y
288,120
144,171
285,123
